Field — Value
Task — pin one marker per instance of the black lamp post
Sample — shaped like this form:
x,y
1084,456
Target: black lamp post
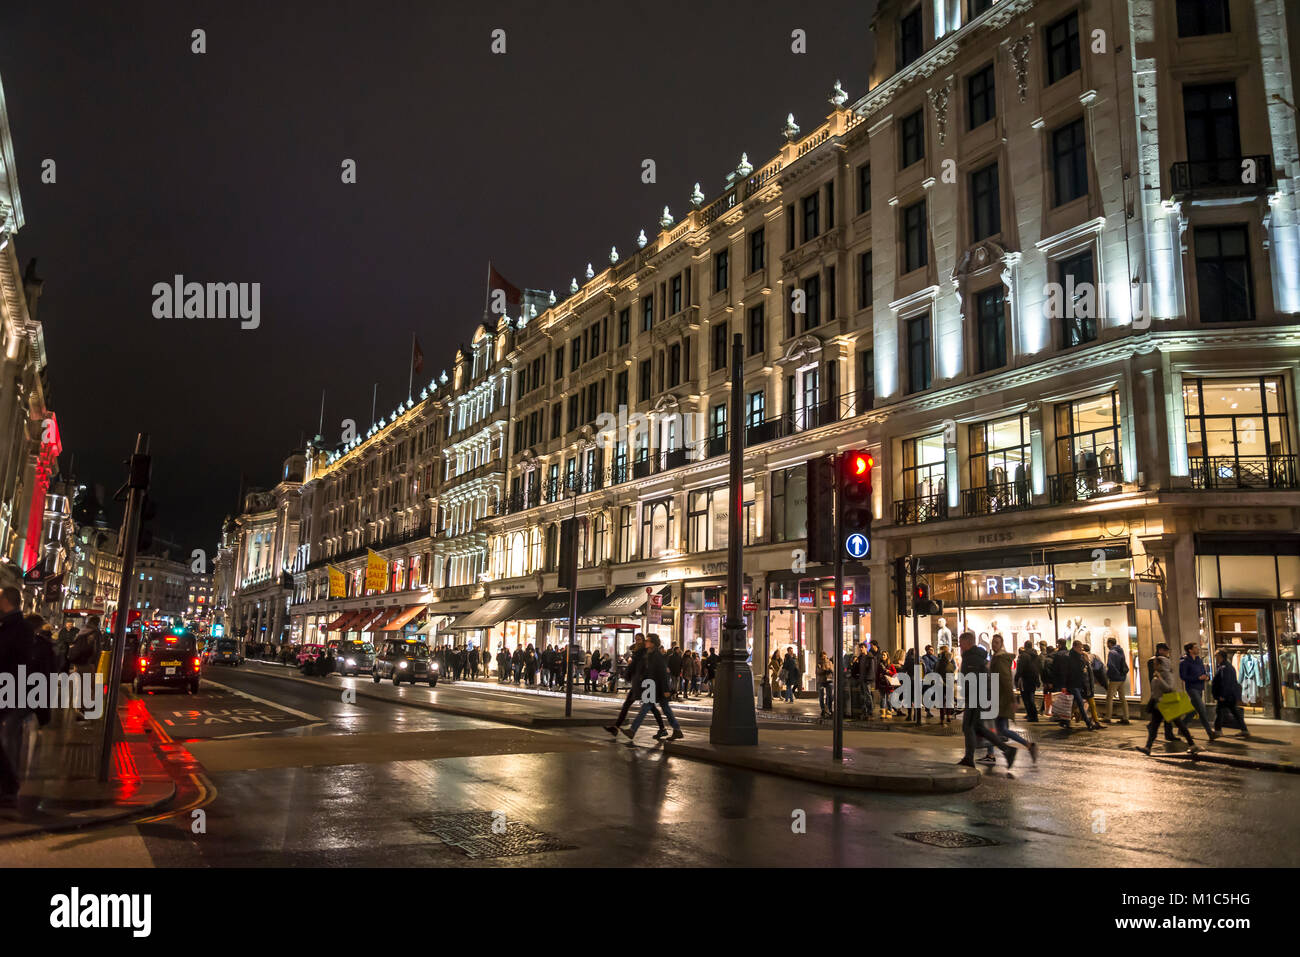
x,y
733,695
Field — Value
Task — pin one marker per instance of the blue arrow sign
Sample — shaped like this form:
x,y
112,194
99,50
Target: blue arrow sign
x,y
857,545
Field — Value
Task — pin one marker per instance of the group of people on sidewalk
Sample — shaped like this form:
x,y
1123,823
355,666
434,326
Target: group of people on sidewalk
x,y
30,642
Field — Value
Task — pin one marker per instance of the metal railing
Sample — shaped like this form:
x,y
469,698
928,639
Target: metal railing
x,y
917,511
1246,173
1066,487
1244,471
1002,497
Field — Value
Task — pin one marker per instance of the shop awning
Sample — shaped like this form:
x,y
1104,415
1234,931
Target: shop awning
x,y
367,620
343,621
625,602
399,621
491,612
555,605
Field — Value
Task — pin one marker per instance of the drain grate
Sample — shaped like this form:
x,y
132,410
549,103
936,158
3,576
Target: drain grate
x,y
471,832
948,838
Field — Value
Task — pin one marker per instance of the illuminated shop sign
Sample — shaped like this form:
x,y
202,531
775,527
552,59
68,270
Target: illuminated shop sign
x,y
996,586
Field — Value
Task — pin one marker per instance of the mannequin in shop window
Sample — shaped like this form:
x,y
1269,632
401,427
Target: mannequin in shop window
x,y
943,636
1086,463
1022,485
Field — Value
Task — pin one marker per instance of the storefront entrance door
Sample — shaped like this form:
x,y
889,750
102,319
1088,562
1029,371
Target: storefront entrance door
x,y
1245,633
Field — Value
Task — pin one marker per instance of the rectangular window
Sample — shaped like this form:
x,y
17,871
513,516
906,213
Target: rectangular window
x,y
866,382
790,315
864,188
719,347
643,381
559,363
624,326
991,320
1213,136
977,7
864,279
756,250
595,341
1237,432
789,227
911,139
924,480
718,421
575,409
981,105
811,218
674,364
755,408
985,205
657,533
999,464
915,242
1223,274
1070,162
918,354
812,287
830,204
620,389
1078,299
575,353
676,295
647,312
757,325
830,294
910,44
790,504
1062,47
1199,18
721,283
1087,447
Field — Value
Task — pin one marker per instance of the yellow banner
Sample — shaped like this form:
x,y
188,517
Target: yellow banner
x,y
376,572
338,587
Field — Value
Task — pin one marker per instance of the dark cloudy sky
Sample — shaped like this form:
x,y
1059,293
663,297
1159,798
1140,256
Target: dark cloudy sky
x,y
225,167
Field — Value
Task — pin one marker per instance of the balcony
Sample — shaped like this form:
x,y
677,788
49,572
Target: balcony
x,y
1230,174
1068,487
991,499
803,419
918,511
1244,471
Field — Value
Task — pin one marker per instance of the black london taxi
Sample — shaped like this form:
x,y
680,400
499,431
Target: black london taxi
x,y
170,659
405,660
353,657
224,651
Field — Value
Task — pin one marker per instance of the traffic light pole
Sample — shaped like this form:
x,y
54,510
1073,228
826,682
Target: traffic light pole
x,y
916,641
837,734
136,483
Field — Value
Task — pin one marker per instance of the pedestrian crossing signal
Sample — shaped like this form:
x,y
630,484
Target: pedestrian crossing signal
x,y
855,502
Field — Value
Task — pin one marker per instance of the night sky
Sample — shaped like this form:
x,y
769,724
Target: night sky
x,y
225,167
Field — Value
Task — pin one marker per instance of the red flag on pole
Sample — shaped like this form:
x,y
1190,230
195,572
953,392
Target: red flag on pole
x,y
417,358
502,295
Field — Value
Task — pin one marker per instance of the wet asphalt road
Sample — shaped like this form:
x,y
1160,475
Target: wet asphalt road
x,y
328,783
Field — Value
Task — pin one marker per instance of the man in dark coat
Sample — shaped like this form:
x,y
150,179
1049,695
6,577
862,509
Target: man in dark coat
x,y
1028,678
975,661
635,674
1078,669
16,645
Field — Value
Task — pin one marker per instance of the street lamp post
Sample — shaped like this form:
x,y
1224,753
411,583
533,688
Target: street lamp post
x,y
733,695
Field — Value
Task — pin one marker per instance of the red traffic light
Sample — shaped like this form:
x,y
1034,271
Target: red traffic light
x,y
859,465
922,592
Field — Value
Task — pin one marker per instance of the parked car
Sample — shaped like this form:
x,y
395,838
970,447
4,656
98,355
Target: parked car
x,y
405,660
308,653
354,657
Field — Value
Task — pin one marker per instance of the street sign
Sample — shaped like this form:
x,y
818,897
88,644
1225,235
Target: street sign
x,y
857,545
1145,595
218,630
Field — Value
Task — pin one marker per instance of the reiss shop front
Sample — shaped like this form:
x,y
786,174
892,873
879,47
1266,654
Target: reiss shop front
x,y
1040,596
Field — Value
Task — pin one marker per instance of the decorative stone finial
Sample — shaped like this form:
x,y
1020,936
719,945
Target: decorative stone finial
x,y
791,128
744,169
553,300
666,219
697,196
591,273
838,96
573,285
641,240
613,254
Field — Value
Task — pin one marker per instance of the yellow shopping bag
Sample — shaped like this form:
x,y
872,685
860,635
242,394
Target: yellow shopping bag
x,y
1174,705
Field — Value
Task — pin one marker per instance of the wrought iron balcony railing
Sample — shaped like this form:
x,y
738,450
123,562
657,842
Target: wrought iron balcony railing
x,y
1236,173
990,499
1244,471
917,511
1067,487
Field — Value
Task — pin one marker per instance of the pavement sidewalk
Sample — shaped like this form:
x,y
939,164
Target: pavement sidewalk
x,y
60,789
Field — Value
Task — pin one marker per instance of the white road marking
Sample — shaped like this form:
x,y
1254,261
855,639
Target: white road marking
x,y
273,704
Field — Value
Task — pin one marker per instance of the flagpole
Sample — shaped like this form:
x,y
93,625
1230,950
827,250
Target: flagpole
x,y
320,429
374,399
410,382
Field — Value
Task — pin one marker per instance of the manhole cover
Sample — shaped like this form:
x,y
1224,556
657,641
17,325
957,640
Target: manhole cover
x,y
947,838
472,833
